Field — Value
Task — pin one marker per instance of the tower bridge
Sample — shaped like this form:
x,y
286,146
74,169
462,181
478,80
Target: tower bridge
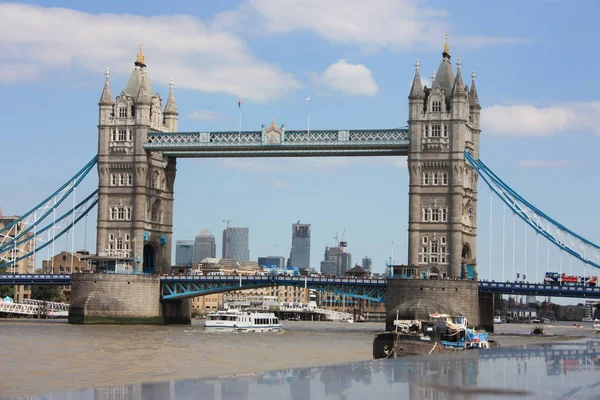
x,y
138,147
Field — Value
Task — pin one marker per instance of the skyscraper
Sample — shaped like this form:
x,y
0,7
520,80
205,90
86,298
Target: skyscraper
x,y
337,261
184,252
300,251
235,243
205,246
367,262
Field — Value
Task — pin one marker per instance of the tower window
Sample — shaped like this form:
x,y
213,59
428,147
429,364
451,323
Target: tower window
x,y
444,178
120,213
114,135
113,179
444,215
435,130
113,213
445,130
436,179
128,213
425,178
435,215
425,130
129,135
129,180
424,240
436,106
121,180
122,135
122,112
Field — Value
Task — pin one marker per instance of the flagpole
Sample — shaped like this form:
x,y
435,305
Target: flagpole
x,y
240,120
308,116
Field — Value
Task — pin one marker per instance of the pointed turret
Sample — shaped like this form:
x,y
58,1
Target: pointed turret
x,y
445,74
136,78
171,114
171,106
473,98
459,87
144,93
416,91
107,98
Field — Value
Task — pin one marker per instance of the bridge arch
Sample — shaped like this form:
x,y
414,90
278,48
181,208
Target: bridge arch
x,y
150,257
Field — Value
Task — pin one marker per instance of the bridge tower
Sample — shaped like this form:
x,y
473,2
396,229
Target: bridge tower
x,y
443,122
135,200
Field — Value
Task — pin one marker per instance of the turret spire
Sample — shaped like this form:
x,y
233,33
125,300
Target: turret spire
x,y
107,97
171,106
446,52
416,91
473,98
459,88
140,60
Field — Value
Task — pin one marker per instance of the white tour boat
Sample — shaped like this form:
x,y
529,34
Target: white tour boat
x,y
242,321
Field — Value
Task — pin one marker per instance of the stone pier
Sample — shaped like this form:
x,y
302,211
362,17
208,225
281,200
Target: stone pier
x,y
123,299
456,297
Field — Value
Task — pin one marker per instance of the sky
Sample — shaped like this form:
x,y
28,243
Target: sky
x,y
536,65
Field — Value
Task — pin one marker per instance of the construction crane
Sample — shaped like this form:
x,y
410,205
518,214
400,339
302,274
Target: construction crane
x,y
227,221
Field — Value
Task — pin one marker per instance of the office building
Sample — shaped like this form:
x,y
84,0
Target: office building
x,y
204,246
235,244
300,251
184,252
277,261
366,263
338,257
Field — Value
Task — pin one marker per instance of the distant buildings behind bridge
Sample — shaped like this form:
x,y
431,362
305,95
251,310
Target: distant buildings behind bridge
x,y
24,266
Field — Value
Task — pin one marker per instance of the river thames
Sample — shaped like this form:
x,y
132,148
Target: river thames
x,y
50,356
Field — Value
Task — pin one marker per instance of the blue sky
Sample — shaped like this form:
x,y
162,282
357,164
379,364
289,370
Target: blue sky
x,y
536,64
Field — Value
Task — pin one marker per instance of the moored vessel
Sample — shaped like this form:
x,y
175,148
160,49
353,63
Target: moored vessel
x,y
439,334
242,321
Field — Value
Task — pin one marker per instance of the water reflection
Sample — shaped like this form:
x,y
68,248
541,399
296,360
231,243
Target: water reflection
x,y
558,371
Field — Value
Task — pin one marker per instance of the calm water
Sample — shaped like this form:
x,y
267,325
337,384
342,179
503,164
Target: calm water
x,y
52,356
49,356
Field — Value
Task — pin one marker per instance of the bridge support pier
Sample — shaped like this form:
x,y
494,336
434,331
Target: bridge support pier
x,y
486,311
421,297
122,299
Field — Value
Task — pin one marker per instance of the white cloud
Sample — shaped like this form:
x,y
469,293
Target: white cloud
x,y
529,120
198,56
18,72
280,184
352,79
206,115
398,24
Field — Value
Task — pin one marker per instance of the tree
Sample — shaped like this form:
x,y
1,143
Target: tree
x,y
46,292
6,290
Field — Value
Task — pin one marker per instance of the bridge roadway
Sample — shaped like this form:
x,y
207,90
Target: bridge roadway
x,y
185,286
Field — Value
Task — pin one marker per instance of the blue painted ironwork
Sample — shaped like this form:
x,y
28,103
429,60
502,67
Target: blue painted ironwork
x,y
536,289
186,286
35,279
559,235
31,219
296,143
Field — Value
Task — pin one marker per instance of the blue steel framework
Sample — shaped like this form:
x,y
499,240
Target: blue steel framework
x,y
186,286
277,142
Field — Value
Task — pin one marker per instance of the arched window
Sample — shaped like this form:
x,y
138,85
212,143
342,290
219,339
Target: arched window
x,y
155,179
156,214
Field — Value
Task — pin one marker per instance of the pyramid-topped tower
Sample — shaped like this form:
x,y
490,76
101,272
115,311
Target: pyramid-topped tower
x,y
135,220
443,123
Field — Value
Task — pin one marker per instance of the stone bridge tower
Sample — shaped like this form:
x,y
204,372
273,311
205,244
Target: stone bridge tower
x,y
135,200
444,121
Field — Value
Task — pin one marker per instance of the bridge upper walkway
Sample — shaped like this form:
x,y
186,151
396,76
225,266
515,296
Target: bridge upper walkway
x,y
186,286
279,142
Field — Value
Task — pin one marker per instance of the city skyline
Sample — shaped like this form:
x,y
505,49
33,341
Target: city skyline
x,y
353,81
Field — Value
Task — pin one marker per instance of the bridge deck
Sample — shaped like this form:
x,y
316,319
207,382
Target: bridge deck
x,y
370,289
275,142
